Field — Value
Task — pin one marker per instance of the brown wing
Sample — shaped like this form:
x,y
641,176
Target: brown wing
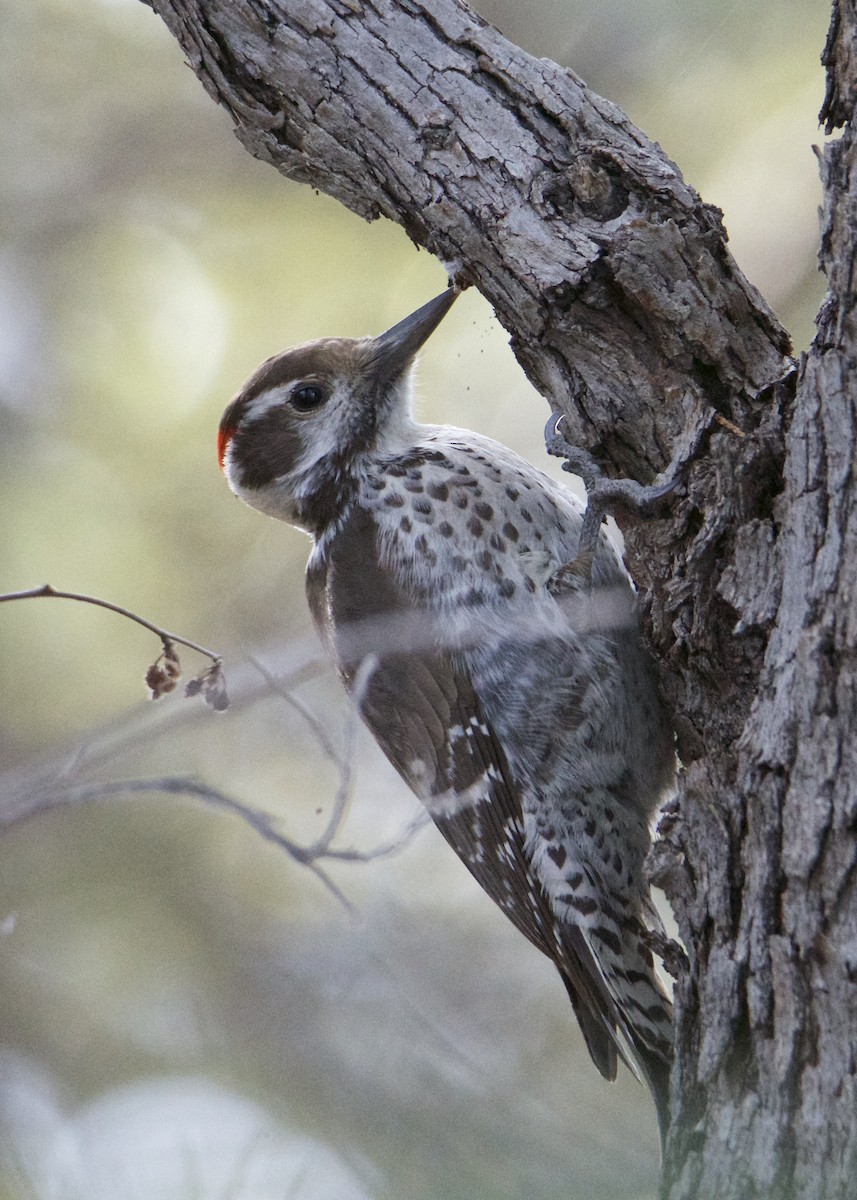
x,y
423,711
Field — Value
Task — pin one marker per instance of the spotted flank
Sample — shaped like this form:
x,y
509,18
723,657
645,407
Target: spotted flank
x,y
479,775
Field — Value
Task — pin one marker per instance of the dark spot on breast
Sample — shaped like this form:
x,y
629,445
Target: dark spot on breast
x,y
397,469
405,525
585,905
459,563
394,500
530,584
413,485
527,515
476,527
512,493
460,500
421,505
474,597
483,510
557,854
497,543
507,589
422,547
510,531
435,456
377,482
485,560
462,469
438,491
445,529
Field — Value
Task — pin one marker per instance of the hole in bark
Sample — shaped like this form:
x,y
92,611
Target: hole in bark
x,y
708,378
694,521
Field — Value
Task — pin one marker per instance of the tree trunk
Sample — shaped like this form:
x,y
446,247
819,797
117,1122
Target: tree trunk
x,y
627,311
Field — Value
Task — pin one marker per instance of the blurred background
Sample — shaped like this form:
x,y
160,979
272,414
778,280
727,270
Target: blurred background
x,y
186,1011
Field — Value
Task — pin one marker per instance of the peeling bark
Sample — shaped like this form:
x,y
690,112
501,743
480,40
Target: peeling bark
x,y
627,311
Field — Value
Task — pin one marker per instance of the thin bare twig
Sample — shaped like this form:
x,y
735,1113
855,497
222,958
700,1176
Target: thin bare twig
x,y
343,792
282,689
260,822
163,675
343,761
48,591
386,849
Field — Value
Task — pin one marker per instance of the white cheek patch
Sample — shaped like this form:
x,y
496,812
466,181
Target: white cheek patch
x,y
264,402
324,439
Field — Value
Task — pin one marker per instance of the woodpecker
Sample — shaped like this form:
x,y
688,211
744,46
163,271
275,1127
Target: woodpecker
x,y
503,677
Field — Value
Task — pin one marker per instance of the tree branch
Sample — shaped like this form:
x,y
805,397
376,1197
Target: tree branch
x,y
48,591
165,672
260,822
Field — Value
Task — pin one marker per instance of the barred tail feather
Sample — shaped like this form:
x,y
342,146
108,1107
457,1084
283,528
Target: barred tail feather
x,y
640,1024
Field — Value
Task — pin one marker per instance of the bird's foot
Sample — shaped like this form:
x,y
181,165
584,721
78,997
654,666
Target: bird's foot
x,y
671,953
603,494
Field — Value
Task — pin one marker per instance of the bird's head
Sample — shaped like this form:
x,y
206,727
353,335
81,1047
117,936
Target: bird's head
x,y
290,440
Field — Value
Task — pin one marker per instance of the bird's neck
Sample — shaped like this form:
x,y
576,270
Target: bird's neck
x,y
324,495
324,500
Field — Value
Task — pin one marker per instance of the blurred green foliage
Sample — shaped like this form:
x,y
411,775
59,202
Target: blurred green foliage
x,y
186,1011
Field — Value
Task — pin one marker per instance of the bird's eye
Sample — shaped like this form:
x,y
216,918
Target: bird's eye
x,y
308,396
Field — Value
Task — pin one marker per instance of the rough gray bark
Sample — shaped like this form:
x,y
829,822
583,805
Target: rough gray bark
x,y
626,310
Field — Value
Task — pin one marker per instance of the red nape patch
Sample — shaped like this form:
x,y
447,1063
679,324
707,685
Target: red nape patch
x,y
225,434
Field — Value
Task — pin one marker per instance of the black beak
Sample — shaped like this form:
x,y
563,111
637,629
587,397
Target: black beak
x,y
394,350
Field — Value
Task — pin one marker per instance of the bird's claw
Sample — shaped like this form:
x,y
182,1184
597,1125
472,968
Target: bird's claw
x,y
602,493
